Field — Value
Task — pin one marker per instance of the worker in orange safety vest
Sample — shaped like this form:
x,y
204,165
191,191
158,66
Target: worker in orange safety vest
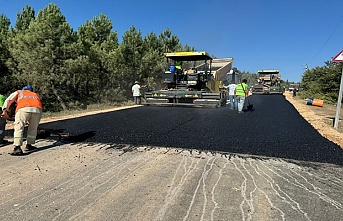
x,y
28,111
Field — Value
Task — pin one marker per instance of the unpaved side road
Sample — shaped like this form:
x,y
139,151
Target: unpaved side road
x,y
103,182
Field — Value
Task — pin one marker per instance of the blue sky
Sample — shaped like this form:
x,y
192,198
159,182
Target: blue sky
x,y
259,34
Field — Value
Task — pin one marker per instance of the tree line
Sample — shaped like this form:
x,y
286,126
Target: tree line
x,y
75,68
71,68
322,82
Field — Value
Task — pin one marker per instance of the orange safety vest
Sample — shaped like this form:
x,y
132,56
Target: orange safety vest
x,y
28,98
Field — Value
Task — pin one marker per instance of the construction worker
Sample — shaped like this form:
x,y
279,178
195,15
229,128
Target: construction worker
x,y
241,92
136,92
179,72
178,65
232,87
28,111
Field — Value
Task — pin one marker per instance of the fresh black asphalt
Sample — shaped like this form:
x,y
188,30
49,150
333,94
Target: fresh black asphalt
x,y
273,128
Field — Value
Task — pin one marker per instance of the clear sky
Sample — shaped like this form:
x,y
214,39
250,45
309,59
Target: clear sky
x,y
259,34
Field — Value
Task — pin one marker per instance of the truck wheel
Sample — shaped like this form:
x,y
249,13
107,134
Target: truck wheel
x,y
219,105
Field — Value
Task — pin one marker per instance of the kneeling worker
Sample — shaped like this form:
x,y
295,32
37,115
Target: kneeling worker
x,y
28,111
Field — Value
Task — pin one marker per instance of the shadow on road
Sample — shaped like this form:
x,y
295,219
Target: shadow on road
x,y
59,136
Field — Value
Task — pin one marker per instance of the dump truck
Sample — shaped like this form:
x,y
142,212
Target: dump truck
x,y
193,79
268,82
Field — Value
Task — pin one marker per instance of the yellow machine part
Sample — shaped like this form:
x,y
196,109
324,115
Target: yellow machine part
x,y
214,85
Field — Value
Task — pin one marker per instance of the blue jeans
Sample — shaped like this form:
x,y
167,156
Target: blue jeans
x,y
233,103
137,99
240,102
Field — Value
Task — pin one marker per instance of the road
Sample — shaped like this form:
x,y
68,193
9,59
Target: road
x,y
176,163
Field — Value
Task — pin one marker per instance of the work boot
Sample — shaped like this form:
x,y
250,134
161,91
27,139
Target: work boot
x,y
29,147
16,151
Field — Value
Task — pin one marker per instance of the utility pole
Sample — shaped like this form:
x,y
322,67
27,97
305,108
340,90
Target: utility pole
x,y
339,102
339,58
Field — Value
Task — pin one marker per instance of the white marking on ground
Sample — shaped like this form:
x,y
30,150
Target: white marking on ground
x,y
243,191
282,214
315,190
175,186
289,200
196,190
214,188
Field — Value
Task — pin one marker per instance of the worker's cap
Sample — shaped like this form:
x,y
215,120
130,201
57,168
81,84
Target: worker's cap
x,y
28,87
136,82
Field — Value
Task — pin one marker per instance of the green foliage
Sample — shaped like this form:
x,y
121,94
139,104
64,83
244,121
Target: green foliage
x,y
170,41
4,54
99,44
24,18
40,52
130,56
4,24
322,82
76,69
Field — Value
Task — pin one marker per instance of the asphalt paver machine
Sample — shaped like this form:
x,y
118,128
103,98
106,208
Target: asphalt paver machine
x,y
188,80
269,82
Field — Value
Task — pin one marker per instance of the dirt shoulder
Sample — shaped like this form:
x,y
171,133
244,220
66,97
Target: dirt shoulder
x,y
321,118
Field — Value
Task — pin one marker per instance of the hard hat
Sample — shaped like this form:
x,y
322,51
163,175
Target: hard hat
x,y
136,82
28,87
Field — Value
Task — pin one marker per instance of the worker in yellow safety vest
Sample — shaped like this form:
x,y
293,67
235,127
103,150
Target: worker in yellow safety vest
x,y
178,65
